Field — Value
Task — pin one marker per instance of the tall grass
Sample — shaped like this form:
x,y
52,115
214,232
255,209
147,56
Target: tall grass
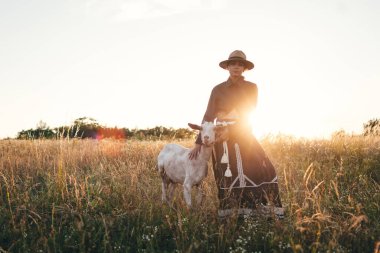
x,y
105,196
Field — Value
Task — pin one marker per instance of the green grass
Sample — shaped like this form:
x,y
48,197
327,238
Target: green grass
x,y
90,196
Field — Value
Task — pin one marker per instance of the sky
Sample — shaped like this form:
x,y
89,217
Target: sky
x,y
147,63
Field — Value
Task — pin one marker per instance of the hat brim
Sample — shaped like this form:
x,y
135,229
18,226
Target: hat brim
x,y
224,64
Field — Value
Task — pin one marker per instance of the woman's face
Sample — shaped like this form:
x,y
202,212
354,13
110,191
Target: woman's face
x,y
236,68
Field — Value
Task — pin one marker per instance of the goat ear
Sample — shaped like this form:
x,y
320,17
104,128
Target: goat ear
x,y
194,126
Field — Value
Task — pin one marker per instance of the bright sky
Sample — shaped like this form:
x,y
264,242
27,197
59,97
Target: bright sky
x,y
144,63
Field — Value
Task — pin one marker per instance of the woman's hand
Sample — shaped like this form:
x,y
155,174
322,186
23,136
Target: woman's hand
x,y
193,154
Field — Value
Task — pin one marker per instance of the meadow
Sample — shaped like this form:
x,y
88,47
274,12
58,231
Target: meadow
x,y
105,196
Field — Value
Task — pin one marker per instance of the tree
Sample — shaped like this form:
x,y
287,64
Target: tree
x,y
372,128
42,125
42,131
85,127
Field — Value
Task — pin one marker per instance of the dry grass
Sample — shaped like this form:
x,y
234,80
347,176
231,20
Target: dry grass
x,y
90,196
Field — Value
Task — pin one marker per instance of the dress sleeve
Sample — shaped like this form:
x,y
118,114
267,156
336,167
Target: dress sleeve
x,y
209,114
211,108
247,103
254,97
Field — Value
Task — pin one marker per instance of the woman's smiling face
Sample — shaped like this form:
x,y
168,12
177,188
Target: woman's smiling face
x,y
236,68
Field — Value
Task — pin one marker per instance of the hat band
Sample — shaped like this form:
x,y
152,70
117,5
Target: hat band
x,y
236,59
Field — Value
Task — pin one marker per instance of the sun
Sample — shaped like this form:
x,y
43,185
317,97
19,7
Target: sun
x,y
257,120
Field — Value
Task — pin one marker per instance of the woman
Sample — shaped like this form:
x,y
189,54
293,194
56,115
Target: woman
x,y
245,177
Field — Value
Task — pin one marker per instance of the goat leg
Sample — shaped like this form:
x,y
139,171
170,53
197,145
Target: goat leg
x,y
187,193
200,195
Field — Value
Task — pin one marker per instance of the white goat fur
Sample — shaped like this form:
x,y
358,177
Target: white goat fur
x,y
175,166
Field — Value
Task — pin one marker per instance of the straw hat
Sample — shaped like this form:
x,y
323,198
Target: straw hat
x,y
237,55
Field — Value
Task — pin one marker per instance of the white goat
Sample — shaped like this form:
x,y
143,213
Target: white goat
x,y
175,166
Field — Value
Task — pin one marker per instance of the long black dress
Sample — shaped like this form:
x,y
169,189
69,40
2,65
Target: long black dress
x,y
245,177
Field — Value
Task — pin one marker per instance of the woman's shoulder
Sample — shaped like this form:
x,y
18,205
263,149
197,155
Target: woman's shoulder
x,y
220,86
224,83
248,83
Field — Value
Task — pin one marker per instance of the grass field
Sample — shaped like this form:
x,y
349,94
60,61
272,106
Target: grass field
x,y
105,196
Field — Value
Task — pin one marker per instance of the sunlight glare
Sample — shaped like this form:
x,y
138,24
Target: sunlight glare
x,y
258,129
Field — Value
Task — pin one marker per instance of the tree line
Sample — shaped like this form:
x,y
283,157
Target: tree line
x,y
86,127
372,127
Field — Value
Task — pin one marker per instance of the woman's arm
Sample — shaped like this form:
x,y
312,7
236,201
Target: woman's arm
x,y
248,102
